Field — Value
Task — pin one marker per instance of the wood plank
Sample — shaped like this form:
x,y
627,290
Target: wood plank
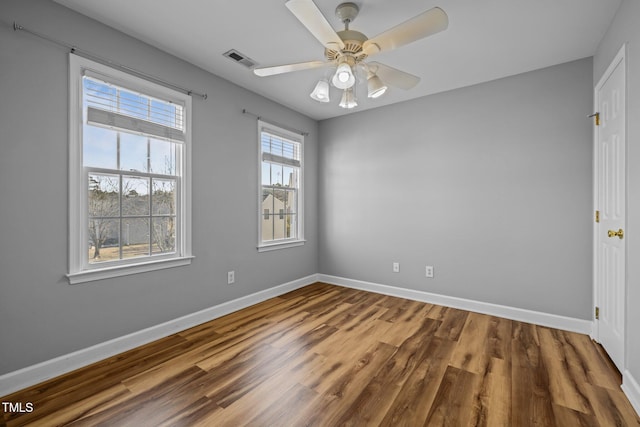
x,y
371,405
611,407
471,351
413,403
454,401
531,397
564,387
495,395
338,394
452,323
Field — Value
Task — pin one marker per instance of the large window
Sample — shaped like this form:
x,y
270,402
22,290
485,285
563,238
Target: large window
x,y
280,198
129,180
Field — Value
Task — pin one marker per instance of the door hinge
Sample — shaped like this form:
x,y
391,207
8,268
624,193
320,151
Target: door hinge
x,y
597,313
597,216
597,116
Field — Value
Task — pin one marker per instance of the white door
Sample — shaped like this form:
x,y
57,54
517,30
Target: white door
x,y
610,251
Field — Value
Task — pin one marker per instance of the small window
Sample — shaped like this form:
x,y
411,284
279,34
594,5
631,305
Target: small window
x,y
129,191
281,172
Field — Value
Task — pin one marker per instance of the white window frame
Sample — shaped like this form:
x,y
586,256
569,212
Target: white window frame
x,y
299,239
79,268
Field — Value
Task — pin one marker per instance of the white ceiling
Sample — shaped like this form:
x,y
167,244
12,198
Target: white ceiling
x,y
485,40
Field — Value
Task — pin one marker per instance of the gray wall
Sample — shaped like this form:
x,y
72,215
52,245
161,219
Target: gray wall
x,y
41,315
490,184
625,29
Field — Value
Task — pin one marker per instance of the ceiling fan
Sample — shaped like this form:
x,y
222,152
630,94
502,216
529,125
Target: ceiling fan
x,y
348,49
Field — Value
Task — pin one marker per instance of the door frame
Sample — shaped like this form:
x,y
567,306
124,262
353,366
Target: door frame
x,y
595,331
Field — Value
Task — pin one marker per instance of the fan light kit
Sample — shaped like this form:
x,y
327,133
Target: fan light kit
x,y
346,51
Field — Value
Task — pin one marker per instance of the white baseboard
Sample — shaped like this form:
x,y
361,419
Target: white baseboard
x,y
31,375
631,389
522,315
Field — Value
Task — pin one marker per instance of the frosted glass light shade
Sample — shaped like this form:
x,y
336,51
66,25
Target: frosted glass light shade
x,y
375,87
348,99
343,78
321,91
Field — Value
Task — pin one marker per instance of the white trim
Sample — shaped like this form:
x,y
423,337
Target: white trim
x,y
519,314
283,245
631,389
31,375
125,270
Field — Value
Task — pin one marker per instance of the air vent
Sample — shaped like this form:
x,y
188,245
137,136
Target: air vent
x,y
239,58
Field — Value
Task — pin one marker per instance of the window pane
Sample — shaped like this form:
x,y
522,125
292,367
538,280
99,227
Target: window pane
x,y
133,105
289,200
133,152
108,97
267,199
279,146
289,150
278,227
135,237
288,179
166,114
135,196
162,157
164,197
267,227
266,173
164,235
103,240
104,195
291,226
99,94
100,147
276,174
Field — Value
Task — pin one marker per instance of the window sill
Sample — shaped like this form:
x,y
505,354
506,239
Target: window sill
x,y
125,270
283,245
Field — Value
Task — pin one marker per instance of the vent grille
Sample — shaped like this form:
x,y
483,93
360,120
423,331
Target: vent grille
x,y
240,58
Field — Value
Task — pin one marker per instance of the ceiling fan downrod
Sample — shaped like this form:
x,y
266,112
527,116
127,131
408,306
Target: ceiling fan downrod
x,y
346,13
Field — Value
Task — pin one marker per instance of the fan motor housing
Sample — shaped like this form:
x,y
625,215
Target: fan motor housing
x,y
353,41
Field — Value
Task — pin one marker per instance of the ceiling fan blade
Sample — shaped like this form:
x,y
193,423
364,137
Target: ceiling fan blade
x,y
427,23
288,68
394,77
310,16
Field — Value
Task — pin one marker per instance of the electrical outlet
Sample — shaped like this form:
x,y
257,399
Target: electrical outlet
x,y
396,267
231,277
429,271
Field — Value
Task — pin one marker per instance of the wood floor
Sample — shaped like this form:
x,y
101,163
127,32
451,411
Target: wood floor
x,y
330,356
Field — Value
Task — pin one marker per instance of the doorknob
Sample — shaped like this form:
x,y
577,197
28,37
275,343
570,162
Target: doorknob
x,y
619,233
